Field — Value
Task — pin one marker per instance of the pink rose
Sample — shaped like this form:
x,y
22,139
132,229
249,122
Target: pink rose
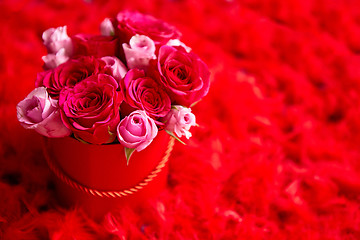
x,y
95,45
68,74
179,120
132,23
139,51
143,92
91,108
59,46
52,60
137,130
56,39
116,67
184,75
107,28
39,112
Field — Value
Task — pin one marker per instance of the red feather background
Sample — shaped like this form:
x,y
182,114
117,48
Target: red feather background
x,y
276,155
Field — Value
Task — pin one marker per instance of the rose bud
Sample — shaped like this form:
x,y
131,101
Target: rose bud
x,y
39,112
116,67
107,28
132,23
143,92
179,120
59,46
91,109
184,75
94,45
137,130
139,51
68,74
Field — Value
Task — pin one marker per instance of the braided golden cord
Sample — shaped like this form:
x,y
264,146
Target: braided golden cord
x,y
111,194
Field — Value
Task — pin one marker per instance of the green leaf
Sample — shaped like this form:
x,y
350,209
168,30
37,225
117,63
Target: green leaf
x,y
173,135
128,153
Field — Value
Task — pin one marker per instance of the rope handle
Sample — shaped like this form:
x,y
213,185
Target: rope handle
x,y
111,194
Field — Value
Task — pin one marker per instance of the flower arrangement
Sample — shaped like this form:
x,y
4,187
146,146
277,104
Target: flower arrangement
x,y
123,86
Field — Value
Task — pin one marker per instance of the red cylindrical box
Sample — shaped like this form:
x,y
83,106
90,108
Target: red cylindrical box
x,y
97,178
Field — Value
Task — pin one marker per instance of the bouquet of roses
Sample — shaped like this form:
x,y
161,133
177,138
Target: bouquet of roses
x,y
122,86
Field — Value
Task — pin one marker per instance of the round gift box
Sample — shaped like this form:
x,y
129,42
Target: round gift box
x,y
97,177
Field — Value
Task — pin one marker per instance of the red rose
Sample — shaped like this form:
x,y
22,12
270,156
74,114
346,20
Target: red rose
x,y
91,109
68,74
143,92
131,23
95,45
184,75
